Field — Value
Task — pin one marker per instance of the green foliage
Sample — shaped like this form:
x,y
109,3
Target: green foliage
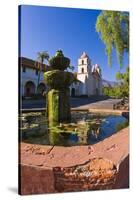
x,y
119,76
42,56
124,82
122,89
113,28
112,91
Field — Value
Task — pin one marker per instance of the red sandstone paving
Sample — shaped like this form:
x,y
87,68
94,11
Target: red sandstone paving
x,y
114,148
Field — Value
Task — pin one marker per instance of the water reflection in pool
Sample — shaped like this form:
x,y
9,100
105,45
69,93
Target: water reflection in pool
x,y
85,128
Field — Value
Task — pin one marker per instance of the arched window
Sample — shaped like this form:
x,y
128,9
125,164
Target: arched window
x,y
29,88
82,70
41,88
82,62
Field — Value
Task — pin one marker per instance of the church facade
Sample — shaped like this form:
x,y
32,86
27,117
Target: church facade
x,y
89,78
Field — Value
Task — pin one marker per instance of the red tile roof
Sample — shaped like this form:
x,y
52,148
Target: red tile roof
x,y
29,63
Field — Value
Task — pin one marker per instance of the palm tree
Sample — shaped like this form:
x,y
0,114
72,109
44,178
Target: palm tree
x,y
41,56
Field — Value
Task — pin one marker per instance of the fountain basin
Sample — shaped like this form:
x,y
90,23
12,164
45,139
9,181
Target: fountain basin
x,y
84,129
53,169
58,79
82,167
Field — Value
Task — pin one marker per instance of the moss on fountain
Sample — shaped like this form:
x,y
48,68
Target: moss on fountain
x,y
59,61
58,82
58,79
58,106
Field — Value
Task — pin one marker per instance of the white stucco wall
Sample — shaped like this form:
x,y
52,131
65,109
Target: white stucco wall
x,y
89,84
85,60
83,84
30,75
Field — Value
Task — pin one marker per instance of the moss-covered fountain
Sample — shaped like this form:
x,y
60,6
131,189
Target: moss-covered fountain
x,y
60,125
58,82
59,169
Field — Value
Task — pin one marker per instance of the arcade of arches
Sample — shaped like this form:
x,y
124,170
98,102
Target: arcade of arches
x,y
41,88
30,88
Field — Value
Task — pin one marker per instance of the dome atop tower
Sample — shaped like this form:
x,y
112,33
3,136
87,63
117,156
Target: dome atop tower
x,y
84,55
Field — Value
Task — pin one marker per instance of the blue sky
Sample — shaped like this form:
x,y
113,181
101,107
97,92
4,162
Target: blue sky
x,y
72,30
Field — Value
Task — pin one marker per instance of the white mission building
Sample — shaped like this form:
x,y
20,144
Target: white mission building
x,y
89,76
29,77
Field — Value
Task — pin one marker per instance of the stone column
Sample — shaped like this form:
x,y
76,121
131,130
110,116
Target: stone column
x,y
58,81
58,105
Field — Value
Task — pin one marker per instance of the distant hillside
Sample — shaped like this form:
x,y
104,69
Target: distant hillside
x,y
107,83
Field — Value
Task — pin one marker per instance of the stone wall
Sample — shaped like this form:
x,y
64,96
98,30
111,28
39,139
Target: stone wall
x,y
51,169
34,180
97,174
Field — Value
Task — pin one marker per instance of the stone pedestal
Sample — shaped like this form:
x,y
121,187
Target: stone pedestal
x,y
58,82
58,106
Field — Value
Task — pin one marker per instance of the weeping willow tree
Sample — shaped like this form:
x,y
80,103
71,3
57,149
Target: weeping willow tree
x,y
123,79
113,28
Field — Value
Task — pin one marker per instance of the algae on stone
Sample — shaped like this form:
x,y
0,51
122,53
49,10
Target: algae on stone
x,y
58,82
59,61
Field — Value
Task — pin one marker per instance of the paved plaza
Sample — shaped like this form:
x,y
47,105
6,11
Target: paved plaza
x,y
79,103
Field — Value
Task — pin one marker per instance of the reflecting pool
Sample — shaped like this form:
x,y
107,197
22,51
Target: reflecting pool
x,y
85,128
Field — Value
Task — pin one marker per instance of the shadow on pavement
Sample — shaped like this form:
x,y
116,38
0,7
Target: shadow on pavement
x,y
74,102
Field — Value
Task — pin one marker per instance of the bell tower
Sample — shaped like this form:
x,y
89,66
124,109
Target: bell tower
x,y
84,71
84,64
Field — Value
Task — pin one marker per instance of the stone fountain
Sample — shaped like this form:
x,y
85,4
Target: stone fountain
x,y
58,82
